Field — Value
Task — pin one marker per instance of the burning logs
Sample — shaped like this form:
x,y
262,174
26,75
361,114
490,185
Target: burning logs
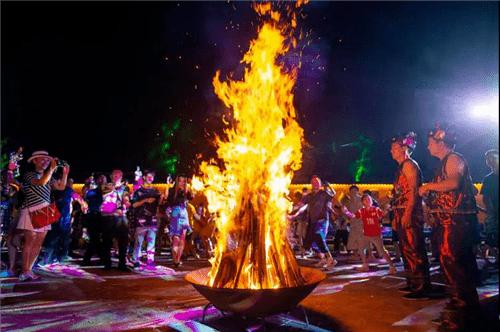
x,y
255,257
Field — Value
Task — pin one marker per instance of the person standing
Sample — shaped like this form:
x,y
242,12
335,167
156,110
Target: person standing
x,y
409,217
145,204
37,187
372,234
356,232
58,237
115,224
93,220
177,201
489,192
451,200
319,206
10,200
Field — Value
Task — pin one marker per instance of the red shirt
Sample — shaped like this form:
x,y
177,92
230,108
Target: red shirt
x,y
370,217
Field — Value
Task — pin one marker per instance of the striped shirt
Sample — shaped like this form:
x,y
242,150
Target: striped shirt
x,y
36,194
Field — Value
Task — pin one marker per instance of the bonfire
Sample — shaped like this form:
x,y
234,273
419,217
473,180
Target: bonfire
x,y
247,189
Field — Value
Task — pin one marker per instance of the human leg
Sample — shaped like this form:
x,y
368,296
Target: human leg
x,y
34,241
51,244
140,233
108,234
455,245
361,248
29,237
122,235
175,248
381,251
64,239
182,243
13,243
150,245
94,229
416,262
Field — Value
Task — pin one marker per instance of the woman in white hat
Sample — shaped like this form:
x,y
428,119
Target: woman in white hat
x,y
37,187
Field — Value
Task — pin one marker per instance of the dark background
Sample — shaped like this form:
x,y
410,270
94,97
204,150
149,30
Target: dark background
x,y
93,82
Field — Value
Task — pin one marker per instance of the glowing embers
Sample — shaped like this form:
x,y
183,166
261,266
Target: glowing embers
x,y
260,152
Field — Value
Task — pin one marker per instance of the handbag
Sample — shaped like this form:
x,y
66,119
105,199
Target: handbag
x,y
45,216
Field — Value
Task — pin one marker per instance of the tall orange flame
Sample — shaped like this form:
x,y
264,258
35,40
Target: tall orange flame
x,y
261,152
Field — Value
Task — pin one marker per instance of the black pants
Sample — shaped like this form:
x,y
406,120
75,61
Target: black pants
x,y
412,245
57,241
93,222
114,227
341,236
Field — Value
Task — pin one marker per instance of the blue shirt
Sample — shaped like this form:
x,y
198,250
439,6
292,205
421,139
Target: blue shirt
x,y
94,200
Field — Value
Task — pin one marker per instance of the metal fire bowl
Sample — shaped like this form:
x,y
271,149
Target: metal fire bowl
x,y
255,302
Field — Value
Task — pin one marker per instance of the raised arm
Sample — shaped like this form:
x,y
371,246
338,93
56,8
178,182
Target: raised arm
x,y
60,185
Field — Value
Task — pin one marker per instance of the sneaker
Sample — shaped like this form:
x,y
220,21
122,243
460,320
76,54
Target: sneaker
x,y
137,265
363,268
25,277
406,289
393,271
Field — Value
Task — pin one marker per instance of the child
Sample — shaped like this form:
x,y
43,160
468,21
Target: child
x,y
371,231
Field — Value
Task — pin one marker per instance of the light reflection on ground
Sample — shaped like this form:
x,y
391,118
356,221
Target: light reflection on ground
x,y
330,289
66,271
182,312
423,316
372,273
100,316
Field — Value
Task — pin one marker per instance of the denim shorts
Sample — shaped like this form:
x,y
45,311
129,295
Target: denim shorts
x,y
179,221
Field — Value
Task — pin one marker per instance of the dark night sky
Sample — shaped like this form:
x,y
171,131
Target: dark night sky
x,y
93,82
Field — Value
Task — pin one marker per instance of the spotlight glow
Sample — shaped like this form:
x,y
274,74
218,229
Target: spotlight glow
x,y
489,110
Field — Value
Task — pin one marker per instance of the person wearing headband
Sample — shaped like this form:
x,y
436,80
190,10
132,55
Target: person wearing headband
x,y
450,197
409,217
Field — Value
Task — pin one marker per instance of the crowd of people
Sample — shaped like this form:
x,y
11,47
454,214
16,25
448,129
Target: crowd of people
x,y
107,219
446,204
120,219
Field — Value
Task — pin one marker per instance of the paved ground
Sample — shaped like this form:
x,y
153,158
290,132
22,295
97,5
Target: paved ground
x,y
75,298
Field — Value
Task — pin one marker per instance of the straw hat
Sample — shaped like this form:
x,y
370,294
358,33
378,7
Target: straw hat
x,y
38,154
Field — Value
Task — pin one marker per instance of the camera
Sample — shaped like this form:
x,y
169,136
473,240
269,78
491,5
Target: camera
x,y
61,163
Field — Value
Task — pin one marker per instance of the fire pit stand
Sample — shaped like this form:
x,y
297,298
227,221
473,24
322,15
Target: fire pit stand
x,y
262,318
262,325
256,303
